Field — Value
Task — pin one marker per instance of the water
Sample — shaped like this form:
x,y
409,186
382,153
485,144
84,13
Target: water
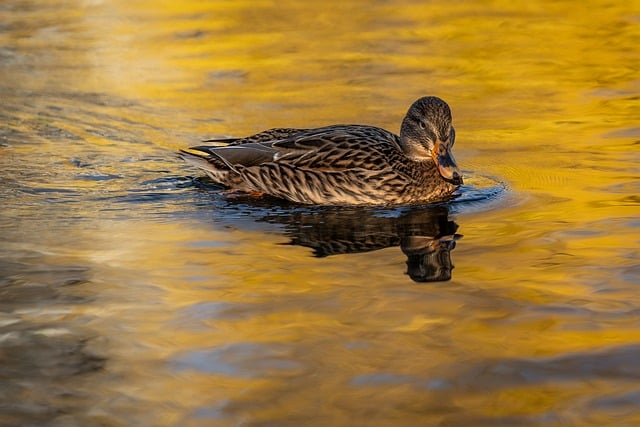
x,y
134,292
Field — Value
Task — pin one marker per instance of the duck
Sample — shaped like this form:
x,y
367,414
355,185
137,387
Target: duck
x,y
341,164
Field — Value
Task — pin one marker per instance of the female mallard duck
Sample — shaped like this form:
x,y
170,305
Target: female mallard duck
x,y
342,164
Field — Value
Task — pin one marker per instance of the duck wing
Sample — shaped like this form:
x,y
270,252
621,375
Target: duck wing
x,y
264,136
232,156
227,153
342,164
338,147
329,148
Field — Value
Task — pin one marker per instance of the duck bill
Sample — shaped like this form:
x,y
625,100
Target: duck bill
x,y
446,163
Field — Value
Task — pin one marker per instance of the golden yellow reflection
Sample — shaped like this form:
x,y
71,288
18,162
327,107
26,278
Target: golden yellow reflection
x,y
204,311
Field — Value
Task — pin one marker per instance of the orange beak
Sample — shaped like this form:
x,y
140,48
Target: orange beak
x,y
447,167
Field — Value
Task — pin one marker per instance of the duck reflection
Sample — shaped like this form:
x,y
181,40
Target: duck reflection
x,y
425,235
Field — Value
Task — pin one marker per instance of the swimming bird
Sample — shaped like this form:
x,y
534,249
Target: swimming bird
x,y
342,164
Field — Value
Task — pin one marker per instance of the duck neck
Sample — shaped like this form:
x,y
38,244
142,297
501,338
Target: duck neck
x,y
410,143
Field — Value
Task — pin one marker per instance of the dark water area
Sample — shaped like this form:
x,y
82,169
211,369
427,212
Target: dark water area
x,y
133,291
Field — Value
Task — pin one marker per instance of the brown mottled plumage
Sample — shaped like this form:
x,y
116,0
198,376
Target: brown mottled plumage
x,y
342,164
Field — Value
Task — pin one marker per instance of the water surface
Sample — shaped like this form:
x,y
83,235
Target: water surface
x,y
135,292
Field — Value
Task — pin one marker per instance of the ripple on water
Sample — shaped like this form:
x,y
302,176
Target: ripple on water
x,y
241,360
478,193
40,346
166,189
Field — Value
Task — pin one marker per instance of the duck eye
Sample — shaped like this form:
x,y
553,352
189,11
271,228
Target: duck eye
x,y
422,125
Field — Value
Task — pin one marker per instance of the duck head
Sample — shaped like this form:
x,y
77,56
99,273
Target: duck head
x,y
427,134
